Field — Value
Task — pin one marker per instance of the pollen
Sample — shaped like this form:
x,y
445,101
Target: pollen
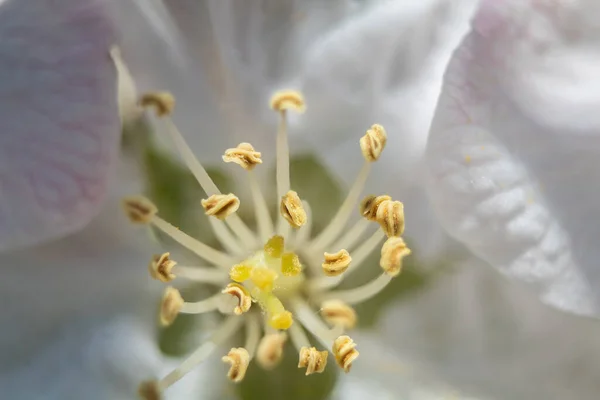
x,y
282,320
238,359
344,352
270,350
370,205
290,264
263,278
171,304
139,209
240,272
274,246
244,155
313,360
338,313
337,263
243,297
393,252
221,205
291,209
160,267
390,215
288,100
373,143
162,102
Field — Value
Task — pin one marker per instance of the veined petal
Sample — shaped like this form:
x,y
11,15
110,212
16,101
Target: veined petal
x,y
513,173
60,121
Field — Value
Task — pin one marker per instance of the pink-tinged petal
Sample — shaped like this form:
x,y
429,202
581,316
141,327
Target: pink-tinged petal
x,y
513,151
60,121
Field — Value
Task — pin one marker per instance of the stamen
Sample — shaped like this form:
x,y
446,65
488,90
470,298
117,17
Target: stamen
x,y
312,323
225,237
373,142
263,218
241,293
298,337
313,360
139,209
149,390
370,205
345,352
352,235
221,205
288,100
200,274
361,293
270,350
392,252
338,313
221,335
252,334
170,306
244,155
203,306
290,264
337,263
303,233
390,216
162,102
291,209
161,267
239,359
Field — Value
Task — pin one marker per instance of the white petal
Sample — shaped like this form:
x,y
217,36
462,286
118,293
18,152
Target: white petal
x,y
60,122
514,176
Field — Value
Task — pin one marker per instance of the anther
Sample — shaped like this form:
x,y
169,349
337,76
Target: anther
x,y
288,100
370,205
336,263
171,304
392,252
162,102
139,209
290,264
390,216
244,298
338,313
313,360
344,352
373,142
244,155
292,210
221,205
270,350
149,390
238,358
160,267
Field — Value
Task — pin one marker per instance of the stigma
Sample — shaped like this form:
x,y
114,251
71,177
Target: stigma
x,y
277,283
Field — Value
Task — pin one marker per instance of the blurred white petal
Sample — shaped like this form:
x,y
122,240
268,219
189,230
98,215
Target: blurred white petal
x,y
60,119
517,180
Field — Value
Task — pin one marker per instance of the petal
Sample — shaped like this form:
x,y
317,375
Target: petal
x,y
60,123
515,176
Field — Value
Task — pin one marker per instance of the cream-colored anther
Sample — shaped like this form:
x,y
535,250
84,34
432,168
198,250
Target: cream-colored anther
x,y
243,296
370,205
373,142
244,155
160,267
336,263
390,216
313,360
338,313
288,100
221,205
292,210
139,209
170,306
238,359
270,350
149,390
344,352
392,252
162,102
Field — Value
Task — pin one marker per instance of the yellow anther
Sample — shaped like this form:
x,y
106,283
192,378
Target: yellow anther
x,y
243,155
338,313
160,267
290,264
162,102
390,216
243,297
288,100
274,246
392,252
281,321
139,209
336,263
292,210
344,352
373,142
313,360
263,278
149,390
240,272
221,205
170,306
238,359
370,205
270,350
